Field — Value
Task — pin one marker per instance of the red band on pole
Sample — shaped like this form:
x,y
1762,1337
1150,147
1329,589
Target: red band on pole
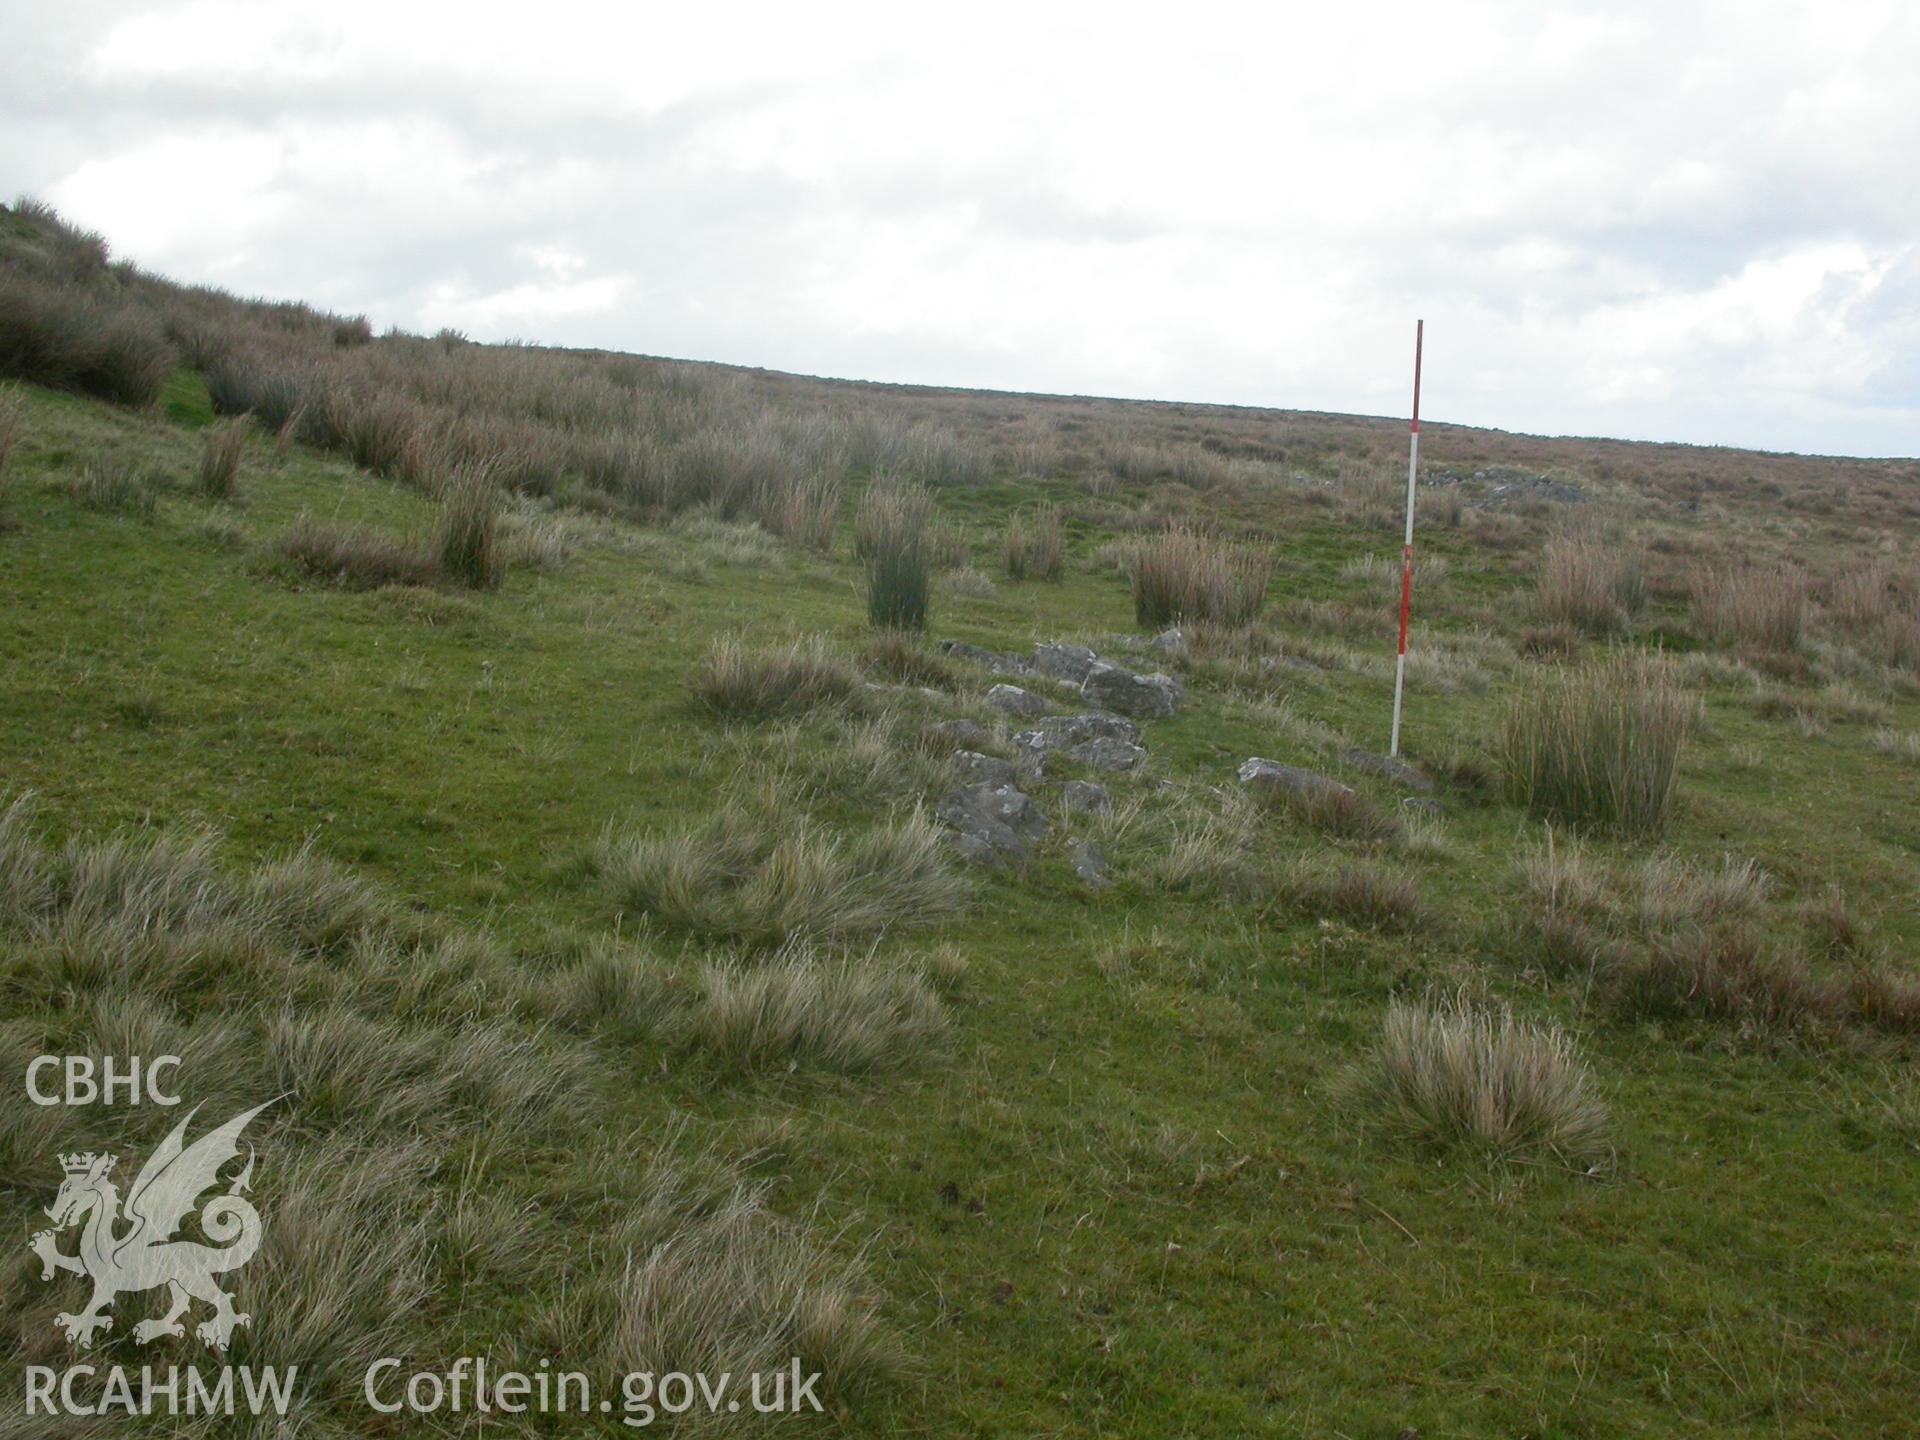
x,y
1419,342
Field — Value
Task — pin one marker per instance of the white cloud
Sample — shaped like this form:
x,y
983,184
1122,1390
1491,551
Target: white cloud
x,y
1682,221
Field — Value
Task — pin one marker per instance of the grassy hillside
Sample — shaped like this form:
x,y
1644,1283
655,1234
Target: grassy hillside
x,y
501,764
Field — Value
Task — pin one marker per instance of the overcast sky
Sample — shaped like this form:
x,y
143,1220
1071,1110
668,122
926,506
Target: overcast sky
x,y
1675,221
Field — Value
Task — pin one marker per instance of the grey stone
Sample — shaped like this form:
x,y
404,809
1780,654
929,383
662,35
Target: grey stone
x,y
993,660
1015,701
1064,662
974,768
1144,697
1398,771
1088,863
1085,796
1093,725
1170,642
963,734
1273,776
1107,755
1000,817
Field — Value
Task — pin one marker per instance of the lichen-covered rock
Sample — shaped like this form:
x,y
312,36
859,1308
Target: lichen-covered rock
x,y
998,817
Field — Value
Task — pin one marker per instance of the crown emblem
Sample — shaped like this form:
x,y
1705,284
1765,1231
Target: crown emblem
x,y
82,1162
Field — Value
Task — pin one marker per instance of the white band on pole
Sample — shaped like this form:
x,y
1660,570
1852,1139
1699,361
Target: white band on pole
x,y
1406,549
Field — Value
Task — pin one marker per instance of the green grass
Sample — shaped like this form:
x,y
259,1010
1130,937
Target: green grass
x,y
1119,1196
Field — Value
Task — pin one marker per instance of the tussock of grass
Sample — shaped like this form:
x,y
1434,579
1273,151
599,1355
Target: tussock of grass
x,y
1364,895
73,338
1756,607
1182,574
396,1050
714,1282
1600,744
891,537
1735,974
903,657
764,879
354,556
800,1010
221,447
1336,810
742,683
1453,1072
466,539
804,510
114,490
1589,582
1036,544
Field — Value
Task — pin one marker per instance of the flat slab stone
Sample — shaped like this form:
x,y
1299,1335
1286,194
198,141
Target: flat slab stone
x,y
1093,725
1290,779
1015,701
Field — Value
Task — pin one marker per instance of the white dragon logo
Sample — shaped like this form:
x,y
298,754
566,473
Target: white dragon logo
x,y
144,1255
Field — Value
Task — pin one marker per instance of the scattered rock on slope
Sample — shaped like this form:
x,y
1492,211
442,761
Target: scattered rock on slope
x,y
1145,697
991,822
1398,771
1271,775
1015,701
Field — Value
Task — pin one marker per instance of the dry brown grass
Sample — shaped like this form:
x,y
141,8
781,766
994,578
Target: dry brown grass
x,y
1035,544
1589,582
221,447
765,878
1454,1072
739,681
1184,575
1754,607
354,556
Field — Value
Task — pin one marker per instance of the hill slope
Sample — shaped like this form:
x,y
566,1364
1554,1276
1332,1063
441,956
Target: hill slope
x,y
632,1010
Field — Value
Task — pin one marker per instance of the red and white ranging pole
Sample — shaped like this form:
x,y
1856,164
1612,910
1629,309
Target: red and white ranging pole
x,y
1406,551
